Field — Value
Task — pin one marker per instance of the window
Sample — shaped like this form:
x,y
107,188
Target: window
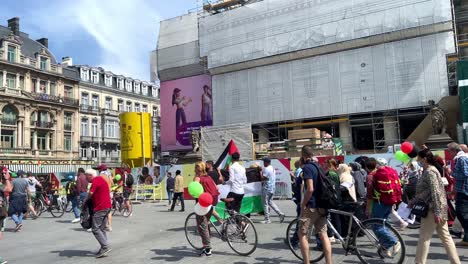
x,y
95,102
84,127
11,81
42,86
137,107
94,153
68,92
144,89
11,53
44,63
108,105
42,143
128,86
144,108
120,83
21,84
7,139
67,143
1,79
83,152
84,74
129,107
120,106
53,88
154,91
94,77
137,88
155,112
94,128
111,129
108,80
67,121
84,101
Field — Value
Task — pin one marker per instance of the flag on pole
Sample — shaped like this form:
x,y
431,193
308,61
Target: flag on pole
x,y
225,159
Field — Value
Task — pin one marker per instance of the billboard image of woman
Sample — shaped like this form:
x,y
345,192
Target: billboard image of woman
x,y
186,105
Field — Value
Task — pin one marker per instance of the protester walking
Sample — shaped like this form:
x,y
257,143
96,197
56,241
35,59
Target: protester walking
x,y
269,186
460,173
170,185
237,181
431,193
100,196
310,213
19,200
178,192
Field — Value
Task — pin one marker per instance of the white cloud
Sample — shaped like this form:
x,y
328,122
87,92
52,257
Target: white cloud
x,y
124,29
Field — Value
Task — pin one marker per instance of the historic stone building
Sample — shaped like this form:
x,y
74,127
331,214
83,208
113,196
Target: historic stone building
x,y
38,104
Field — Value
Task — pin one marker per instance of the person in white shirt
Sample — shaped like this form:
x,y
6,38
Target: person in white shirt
x,y
237,180
32,183
269,188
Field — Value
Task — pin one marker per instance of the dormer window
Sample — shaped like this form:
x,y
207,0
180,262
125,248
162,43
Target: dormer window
x,y
108,80
120,83
44,63
137,88
94,77
154,91
84,74
144,89
12,53
128,85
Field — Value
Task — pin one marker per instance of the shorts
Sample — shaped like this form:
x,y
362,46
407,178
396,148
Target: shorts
x,y
126,194
236,204
313,216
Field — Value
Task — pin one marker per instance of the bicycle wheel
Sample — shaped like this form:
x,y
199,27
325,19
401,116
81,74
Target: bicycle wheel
x,y
116,208
367,245
292,240
241,235
56,208
67,205
38,206
191,232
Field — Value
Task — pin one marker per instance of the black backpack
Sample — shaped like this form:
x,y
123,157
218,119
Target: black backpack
x,y
360,177
129,181
328,197
86,216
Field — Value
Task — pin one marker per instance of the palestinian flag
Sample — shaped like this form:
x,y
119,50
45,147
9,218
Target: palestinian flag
x,y
225,159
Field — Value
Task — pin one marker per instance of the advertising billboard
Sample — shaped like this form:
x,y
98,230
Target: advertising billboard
x,y
186,105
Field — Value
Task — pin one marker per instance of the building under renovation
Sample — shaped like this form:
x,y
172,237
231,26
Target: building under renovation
x,y
362,71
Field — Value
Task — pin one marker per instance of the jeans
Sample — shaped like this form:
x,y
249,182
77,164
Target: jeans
x,y
461,204
203,227
76,210
83,196
180,114
99,227
174,201
382,211
18,219
170,193
267,203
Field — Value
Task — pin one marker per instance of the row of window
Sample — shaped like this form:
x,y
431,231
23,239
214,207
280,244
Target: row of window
x,y
111,128
128,85
43,142
38,86
12,56
94,152
121,107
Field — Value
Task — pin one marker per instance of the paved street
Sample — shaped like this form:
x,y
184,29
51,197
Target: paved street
x,y
154,235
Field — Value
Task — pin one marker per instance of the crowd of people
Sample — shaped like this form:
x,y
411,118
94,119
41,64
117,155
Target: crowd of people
x,y
374,188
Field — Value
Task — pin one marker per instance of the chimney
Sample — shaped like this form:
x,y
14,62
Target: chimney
x,y
67,61
13,24
44,42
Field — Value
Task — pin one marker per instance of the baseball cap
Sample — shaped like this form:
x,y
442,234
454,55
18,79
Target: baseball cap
x,y
20,173
382,161
102,167
268,160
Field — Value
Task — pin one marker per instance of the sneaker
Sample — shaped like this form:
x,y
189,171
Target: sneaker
x,y
265,222
108,229
2,261
103,252
281,217
317,248
205,252
391,252
90,230
76,220
182,210
462,243
332,240
403,226
18,227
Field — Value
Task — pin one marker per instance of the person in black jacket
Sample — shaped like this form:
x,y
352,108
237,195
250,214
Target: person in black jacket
x,y
170,187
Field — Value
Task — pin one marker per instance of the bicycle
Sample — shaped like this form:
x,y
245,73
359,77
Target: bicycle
x,y
118,205
237,230
360,240
52,203
67,204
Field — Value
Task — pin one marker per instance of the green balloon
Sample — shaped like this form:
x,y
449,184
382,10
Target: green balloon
x,y
195,189
401,156
118,177
13,175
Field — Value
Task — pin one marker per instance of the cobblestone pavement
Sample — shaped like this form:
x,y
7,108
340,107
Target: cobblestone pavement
x,y
153,235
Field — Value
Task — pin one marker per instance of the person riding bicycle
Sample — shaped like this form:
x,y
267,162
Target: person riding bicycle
x,y
73,195
203,221
237,180
32,183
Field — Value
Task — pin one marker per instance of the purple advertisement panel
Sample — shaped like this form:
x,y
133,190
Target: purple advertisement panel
x,y
186,105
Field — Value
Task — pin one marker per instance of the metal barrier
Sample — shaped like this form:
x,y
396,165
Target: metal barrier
x,y
281,191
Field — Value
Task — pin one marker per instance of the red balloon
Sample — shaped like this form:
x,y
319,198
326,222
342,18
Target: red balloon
x,y
407,147
205,199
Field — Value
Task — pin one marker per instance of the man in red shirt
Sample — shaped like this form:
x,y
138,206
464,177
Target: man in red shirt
x,y
100,195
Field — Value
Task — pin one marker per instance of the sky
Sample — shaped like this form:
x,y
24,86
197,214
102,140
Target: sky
x,y
117,35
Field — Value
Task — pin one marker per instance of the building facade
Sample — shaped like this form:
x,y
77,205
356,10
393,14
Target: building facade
x,y
38,103
103,96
